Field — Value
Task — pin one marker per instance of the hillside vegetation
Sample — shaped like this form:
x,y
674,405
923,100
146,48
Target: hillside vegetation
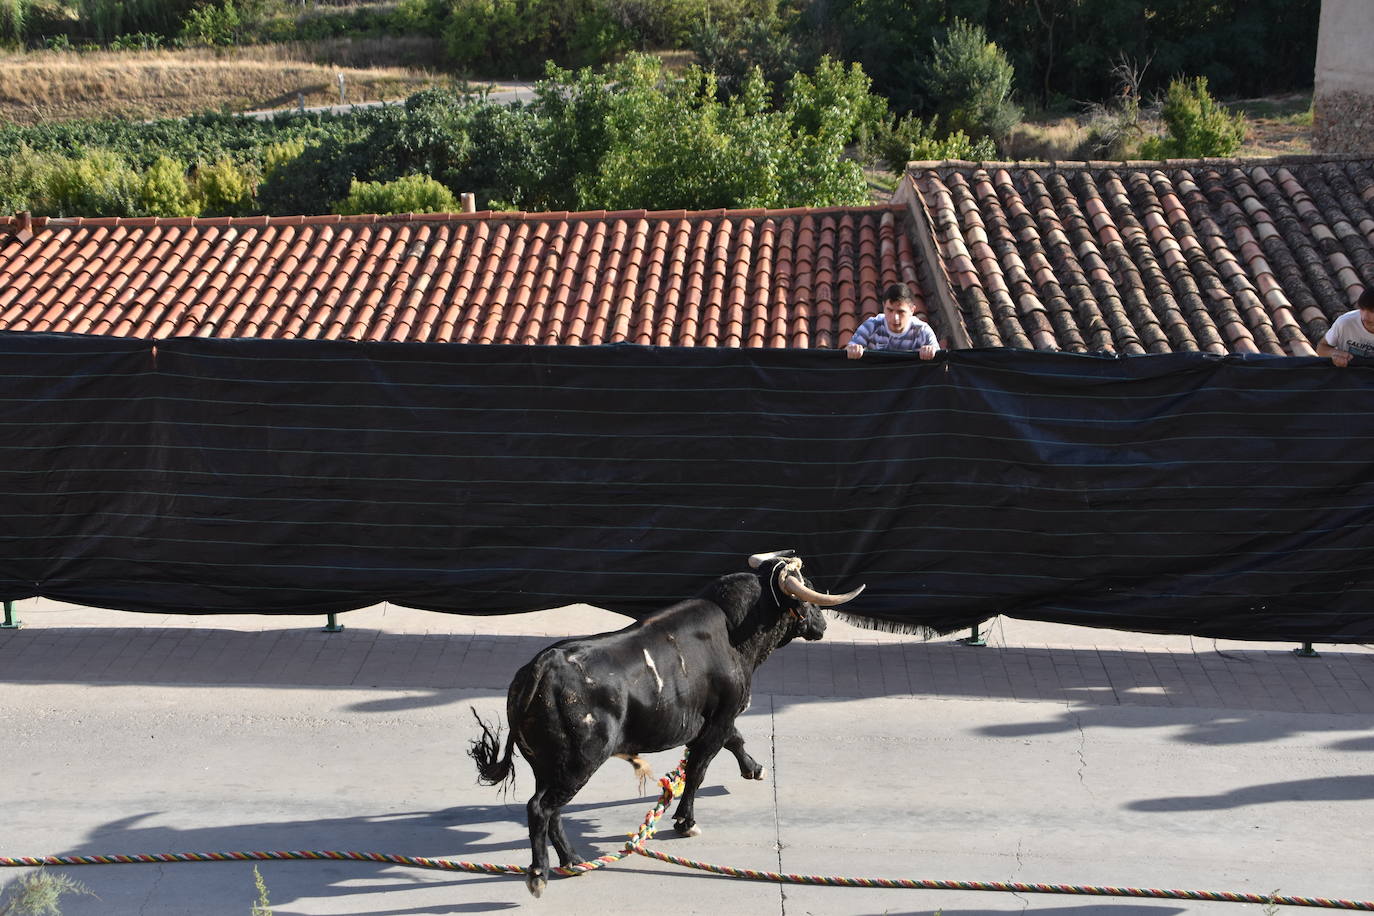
x,y
766,102
40,86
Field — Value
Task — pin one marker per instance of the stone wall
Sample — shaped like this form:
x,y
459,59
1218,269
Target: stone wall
x,y
1343,100
1343,122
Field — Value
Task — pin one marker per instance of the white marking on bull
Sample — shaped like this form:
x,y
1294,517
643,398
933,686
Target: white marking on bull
x,y
648,660
587,719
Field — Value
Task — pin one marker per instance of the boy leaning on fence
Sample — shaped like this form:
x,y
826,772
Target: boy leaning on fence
x,y
897,328
1352,334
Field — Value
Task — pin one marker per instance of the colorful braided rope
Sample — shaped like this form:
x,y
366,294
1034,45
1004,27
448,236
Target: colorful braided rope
x,y
672,786
1084,890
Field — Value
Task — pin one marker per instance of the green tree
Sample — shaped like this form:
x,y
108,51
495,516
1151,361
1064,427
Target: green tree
x,y
14,15
666,142
212,24
1196,124
969,80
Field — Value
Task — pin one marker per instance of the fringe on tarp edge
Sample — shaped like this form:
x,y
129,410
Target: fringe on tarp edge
x,y
895,626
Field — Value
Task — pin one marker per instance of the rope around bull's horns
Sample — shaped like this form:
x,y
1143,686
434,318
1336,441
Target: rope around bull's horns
x,y
672,787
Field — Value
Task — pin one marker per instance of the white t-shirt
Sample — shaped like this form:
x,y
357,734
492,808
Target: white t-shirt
x,y
1347,333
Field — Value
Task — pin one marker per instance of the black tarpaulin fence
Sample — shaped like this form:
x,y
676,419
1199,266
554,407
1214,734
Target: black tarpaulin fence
x,y
1176,494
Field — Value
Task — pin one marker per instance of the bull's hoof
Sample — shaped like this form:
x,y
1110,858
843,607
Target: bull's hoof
x,y
536,882
685,829
757,772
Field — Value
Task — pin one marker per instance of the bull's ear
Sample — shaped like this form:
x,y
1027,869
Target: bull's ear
x,y
736,595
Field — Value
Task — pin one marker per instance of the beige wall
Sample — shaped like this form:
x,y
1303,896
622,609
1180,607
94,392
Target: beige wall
x,y
1343,104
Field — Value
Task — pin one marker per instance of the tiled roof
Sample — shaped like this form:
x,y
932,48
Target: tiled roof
x,y
753,278
1222,256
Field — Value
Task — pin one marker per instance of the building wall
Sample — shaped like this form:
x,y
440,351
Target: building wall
x,y
1343,103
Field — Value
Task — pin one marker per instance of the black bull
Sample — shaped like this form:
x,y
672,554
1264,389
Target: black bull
x,y
678,677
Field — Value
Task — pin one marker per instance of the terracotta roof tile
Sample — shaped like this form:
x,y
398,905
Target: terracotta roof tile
x,y
756,278
1215,255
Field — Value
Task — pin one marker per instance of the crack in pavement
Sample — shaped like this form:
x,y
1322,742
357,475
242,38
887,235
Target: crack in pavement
x,y
1082,746
777,818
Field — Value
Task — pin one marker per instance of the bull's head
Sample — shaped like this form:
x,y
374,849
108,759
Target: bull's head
x,y
802,602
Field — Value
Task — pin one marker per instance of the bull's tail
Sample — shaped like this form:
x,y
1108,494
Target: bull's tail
x,y
490,770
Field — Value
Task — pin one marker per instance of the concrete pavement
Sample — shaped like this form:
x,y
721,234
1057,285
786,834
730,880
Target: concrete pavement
x,y
1057,754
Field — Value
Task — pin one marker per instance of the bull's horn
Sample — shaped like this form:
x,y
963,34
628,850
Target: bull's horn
x,y
801,591
759,559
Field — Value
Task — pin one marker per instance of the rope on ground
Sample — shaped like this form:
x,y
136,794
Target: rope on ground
x,y
672,787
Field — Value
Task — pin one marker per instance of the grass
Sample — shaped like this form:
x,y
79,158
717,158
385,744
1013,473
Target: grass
x,y
881,184
1276,126
262,906
53,85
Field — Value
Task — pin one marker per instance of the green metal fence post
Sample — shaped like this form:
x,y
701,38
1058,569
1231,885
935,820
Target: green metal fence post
x,y
333,626
1307,651
10,622
974,638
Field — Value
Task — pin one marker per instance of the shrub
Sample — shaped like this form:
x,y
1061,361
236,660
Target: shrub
x,y
410,194
969,81
516,36
98,183
223,189
13,16
163,191
136,41
1197,125
836,99
38,894
23,176
764,42
1115,127
910,138
107,18
212,24
665,143
277,155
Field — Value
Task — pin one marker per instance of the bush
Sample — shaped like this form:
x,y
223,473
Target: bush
x,y
136,41
163,191
223,189
38,894
23,175
1197,125
638,139
1115,128
107,18
14,15
517,36
98,183
732,53
277,155
969,81
835,99
212,25
910,139
411,194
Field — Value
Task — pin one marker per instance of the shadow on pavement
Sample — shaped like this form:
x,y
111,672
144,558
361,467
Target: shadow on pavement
x,y
1317,789
1233,726
463,832
431,664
